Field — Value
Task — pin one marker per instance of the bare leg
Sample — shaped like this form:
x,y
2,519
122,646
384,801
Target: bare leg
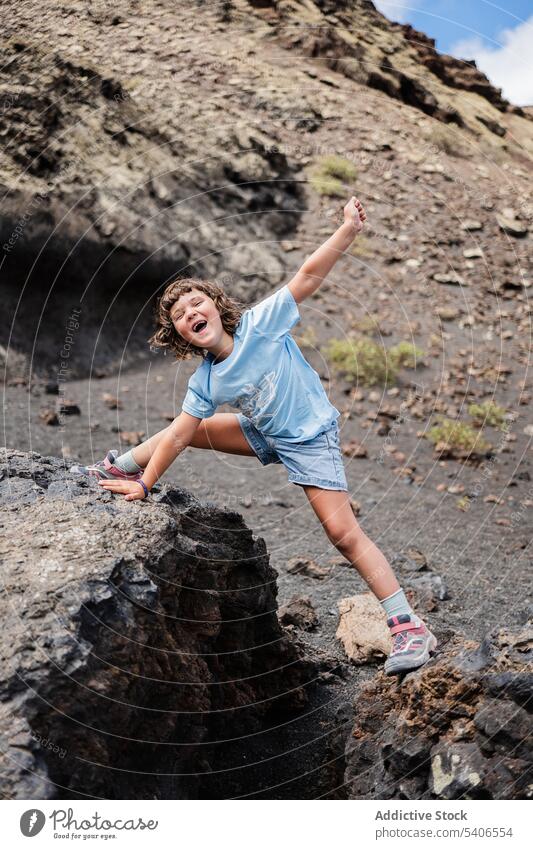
x,y
142,453
336,516
221,432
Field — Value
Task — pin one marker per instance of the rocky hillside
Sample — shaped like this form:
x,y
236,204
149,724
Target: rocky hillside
x,y
145,139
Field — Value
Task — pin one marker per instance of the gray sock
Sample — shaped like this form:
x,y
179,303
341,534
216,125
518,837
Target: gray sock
x,y
127,464
396,604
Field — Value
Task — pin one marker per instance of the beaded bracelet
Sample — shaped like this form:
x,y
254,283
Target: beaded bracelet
x,y
142,483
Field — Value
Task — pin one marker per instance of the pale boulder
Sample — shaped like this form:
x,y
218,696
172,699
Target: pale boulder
x,y
363,629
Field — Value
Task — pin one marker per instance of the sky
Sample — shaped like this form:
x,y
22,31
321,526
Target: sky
x,y
498,35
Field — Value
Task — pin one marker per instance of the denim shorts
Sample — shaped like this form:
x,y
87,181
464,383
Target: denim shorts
x,y
316,462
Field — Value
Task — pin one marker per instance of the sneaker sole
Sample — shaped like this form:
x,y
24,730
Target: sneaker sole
x,y
406,665
102,474
83,471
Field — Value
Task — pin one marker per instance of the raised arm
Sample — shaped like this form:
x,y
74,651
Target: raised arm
x,y
178,437
316,268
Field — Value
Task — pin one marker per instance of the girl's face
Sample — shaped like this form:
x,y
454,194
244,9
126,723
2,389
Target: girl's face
x,y
196,319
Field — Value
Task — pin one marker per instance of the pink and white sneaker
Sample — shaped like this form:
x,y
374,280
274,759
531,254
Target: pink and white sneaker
x,y
412,644
106,470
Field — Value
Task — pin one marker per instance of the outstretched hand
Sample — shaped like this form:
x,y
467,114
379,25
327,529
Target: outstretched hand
x,y
355,214
131,489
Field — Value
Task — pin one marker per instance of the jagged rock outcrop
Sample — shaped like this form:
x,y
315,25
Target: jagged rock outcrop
x,y
457,73
355,39
134,635
459,728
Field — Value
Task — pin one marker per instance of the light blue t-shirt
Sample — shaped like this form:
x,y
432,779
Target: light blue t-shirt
x,y
266,376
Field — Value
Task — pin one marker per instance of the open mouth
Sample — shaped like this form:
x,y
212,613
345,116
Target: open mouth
x,y
199,326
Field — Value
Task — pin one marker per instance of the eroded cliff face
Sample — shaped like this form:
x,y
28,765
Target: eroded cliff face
x,y
136,638
108,198
352,37
146,140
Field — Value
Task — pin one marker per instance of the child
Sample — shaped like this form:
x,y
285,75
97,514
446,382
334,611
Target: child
x,y
250,361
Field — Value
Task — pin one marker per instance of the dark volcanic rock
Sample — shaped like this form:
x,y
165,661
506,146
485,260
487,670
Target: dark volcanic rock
x,y
458,728
299,612
134,634
427,591
104,201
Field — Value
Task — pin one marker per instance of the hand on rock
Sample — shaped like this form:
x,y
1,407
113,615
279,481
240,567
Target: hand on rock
x,y
132,490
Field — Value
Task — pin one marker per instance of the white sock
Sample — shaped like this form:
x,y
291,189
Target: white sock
x,y
396,604
127,464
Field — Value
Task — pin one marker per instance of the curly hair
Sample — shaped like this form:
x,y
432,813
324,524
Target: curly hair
x,y
167,337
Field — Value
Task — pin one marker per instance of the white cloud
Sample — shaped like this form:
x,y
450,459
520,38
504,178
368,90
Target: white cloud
x,y
509,64
401,12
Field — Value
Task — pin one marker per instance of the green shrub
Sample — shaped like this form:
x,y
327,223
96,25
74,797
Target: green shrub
x,y
338,166
367,361
458,436
405,354
326,186
463,503
488,413
361,360
329,173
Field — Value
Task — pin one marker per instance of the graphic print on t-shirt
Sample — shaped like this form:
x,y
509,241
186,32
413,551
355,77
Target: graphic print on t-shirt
x,y
254,399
